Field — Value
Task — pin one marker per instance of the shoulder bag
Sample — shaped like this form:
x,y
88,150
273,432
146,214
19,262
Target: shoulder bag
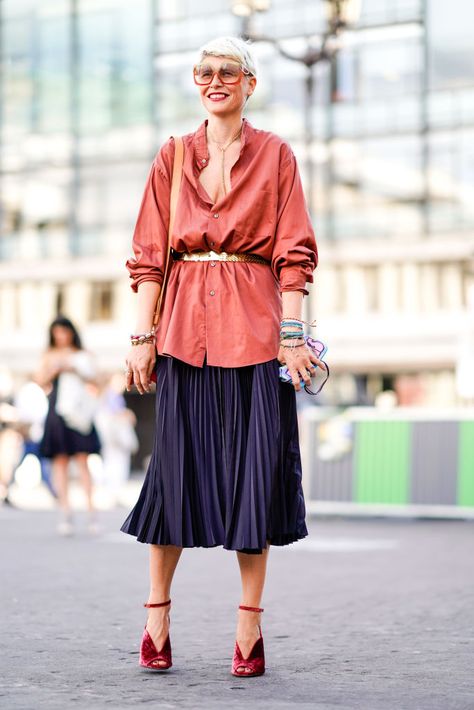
x,y
175,185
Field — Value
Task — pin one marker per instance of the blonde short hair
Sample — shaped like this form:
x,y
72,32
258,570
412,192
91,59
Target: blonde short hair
x,y
234,47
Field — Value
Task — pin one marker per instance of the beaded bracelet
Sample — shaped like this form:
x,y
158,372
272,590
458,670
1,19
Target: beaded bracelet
x,y
139,338
141,335
299,345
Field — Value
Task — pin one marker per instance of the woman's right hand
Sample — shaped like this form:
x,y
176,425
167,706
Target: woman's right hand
x,y
140,361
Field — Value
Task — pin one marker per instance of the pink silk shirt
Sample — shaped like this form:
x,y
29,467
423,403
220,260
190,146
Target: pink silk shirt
x,y
225,312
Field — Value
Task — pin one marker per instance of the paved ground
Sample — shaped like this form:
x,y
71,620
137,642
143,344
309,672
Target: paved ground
x,y
376,615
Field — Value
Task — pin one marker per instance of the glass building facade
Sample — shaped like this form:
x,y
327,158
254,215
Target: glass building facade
x,y
91,88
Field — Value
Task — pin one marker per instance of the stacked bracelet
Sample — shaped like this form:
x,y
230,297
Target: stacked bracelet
x,y
292,333
141,338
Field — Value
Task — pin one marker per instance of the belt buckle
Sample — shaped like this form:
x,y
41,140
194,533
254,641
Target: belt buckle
x,y
217,255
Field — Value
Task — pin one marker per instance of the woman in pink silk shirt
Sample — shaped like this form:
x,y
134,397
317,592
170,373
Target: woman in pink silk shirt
x,y
225,468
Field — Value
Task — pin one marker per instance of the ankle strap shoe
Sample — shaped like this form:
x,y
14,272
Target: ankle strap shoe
x,y
150,657
254,664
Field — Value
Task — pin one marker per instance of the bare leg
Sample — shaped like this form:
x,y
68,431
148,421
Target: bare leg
x,y
252,571
163,562
61,483
86,479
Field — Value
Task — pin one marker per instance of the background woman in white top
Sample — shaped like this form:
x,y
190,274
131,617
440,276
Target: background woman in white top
x,y
69,432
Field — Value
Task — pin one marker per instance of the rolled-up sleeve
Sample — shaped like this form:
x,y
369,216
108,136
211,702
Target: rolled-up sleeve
x,y
150,236
295,254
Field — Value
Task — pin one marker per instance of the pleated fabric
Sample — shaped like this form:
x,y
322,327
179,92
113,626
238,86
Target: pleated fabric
x,y
225,467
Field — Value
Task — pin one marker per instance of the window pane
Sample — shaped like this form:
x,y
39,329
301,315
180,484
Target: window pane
x,y
115,70
450,43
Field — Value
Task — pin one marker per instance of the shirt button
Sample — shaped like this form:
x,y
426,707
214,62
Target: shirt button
x,y
213,263
203,161
216,215
212,243
212,292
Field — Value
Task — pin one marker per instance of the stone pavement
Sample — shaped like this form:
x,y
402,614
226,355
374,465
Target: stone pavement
x,y
363,614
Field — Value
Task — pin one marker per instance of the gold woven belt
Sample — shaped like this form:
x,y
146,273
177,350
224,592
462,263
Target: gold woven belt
x,y
218,256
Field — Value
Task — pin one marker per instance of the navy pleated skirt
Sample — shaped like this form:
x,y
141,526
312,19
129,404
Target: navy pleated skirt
x,y
225,467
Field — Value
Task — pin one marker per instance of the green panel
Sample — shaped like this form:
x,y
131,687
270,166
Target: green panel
x,y
466,464
382,459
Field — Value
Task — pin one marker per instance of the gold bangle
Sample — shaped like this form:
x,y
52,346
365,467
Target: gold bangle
x,y
140,342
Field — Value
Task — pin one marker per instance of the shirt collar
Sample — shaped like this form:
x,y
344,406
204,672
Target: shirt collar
x,y
201,153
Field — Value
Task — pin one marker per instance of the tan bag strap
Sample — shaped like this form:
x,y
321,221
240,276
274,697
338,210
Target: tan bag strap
x,y
175,185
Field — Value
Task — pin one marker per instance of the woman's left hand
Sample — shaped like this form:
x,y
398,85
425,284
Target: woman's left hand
x,y
299,360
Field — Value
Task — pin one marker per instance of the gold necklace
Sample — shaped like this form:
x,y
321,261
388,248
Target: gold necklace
x,y
223,150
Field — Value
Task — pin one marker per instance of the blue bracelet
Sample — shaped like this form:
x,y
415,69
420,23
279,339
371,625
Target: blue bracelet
x,y
286,325
300,321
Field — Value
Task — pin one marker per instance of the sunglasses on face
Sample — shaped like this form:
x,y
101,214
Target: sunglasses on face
x,y
229,73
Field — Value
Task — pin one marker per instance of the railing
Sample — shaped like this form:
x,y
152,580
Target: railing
x,y
412,462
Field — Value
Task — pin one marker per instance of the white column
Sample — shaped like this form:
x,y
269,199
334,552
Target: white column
x,y
28,306
451,296
410,288
356,298
47,293
429,287
326,290
388,288
8,308
77,296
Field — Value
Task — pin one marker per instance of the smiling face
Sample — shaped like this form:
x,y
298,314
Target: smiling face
x,y
220,98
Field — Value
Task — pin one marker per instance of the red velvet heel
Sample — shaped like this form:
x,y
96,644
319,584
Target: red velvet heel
x,y
255,661
150,657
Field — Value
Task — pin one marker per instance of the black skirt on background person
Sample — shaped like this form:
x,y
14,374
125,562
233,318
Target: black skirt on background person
x,y
58,438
